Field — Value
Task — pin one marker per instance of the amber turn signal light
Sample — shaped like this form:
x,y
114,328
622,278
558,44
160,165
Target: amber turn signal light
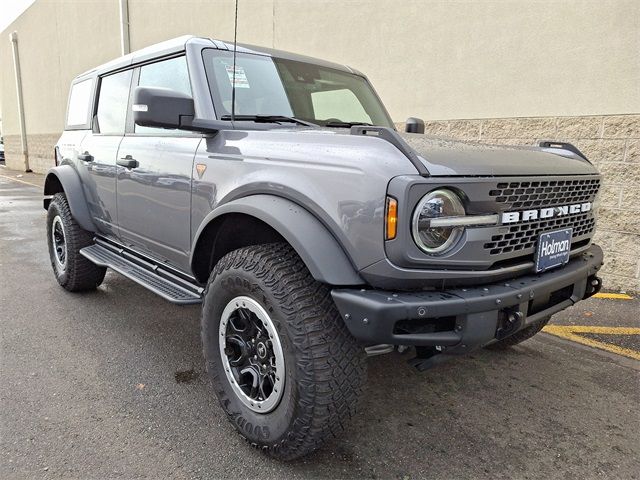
x,y
391,219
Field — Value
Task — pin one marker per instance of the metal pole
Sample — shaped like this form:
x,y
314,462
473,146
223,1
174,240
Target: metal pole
x,y
125,45
23,130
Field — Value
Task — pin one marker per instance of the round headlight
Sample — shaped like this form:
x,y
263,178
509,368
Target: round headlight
x,y
436,204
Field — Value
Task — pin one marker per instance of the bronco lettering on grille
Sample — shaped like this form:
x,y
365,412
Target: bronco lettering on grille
x,y
542,213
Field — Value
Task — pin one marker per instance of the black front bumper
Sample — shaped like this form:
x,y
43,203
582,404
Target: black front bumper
x,y
461,319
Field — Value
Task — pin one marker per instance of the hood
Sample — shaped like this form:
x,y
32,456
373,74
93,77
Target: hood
x,y
445,157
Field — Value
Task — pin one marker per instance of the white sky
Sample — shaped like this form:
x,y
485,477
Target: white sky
x,y
11,9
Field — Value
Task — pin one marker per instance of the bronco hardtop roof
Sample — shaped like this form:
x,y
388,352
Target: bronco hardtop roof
x,y
177,45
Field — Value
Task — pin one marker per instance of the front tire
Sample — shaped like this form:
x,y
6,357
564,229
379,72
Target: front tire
x,y
65,238
284,366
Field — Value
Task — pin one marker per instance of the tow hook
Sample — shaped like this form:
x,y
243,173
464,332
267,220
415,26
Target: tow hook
x,y
509,321
594,284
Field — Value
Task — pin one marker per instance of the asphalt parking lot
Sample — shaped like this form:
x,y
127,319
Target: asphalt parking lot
x,y
111,385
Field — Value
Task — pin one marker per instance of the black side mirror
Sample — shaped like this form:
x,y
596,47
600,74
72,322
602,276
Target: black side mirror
x,y
162,107
414,125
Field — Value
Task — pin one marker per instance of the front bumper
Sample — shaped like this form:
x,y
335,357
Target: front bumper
x,y
458,320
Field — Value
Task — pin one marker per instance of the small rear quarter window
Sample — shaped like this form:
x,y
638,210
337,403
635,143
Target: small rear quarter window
x,y
79,103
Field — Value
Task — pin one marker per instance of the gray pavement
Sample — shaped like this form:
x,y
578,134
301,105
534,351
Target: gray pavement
x,y
111,385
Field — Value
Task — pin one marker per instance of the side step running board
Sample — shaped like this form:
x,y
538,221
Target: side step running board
x,y
151,276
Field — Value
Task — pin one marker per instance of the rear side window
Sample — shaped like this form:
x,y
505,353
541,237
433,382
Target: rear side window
x,y
79,101
171,74
340,103
112,103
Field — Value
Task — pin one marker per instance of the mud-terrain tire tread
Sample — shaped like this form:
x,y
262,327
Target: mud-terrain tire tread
x,y
80,273
520,336
331,365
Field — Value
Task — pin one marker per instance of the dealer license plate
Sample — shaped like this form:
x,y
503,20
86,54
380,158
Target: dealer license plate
x,y
553,249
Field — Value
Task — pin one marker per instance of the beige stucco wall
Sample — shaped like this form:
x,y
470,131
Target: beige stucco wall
x,y
431,58
57,40
444,59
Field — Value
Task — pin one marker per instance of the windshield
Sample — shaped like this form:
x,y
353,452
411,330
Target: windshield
x,y
270,86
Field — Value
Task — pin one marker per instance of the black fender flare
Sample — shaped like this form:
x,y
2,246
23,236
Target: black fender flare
x,y
318,248
67,177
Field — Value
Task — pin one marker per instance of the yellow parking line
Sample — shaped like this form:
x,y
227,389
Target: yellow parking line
x,y
570,333
20,181
602,330
617,296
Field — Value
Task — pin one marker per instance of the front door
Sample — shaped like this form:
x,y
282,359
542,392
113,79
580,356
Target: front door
x,y
154,189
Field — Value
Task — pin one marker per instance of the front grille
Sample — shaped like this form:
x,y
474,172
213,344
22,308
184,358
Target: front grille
x,y
545,193
524,236
520,239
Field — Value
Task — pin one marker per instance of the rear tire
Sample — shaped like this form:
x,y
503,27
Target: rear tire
x,y
520,336
266,294
65,238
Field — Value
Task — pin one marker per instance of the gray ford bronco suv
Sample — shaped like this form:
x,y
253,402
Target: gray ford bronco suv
x,y
311,231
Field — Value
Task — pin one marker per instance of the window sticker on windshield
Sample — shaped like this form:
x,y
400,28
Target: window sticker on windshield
x,y
241,77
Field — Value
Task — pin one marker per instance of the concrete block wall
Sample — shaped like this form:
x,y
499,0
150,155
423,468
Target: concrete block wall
x,y
612,142
40,147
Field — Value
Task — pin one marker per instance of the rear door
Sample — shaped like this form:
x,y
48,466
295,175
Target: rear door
x,y
154,194
99,148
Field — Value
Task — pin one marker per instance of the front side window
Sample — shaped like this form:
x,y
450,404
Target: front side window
x,y
275,86
112,103
172,74
79,101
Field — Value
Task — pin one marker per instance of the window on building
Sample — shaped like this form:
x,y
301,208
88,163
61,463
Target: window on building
x,y
112,103
172,74
78,111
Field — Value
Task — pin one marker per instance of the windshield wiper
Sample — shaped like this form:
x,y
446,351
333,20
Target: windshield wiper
x,y
346,124
268,119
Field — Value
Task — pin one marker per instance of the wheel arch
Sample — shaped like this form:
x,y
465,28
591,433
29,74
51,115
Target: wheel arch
x,y
64,179
267,218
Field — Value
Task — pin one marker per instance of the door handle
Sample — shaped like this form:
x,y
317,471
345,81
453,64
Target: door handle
x,y
85,157
127,162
